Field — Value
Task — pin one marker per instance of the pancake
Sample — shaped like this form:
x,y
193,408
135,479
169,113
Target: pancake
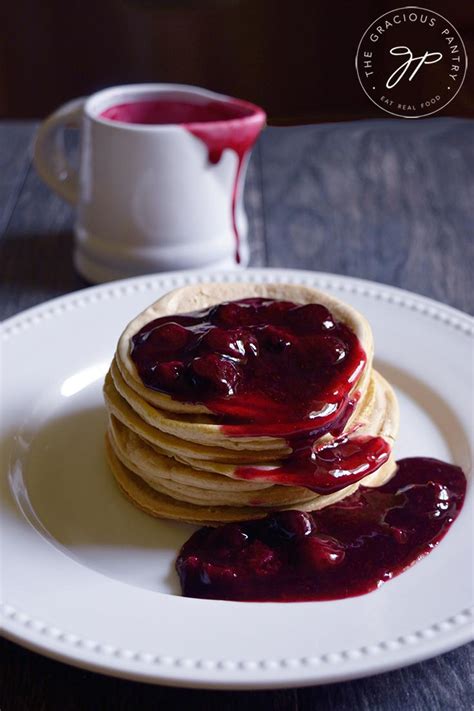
x,y
197,428
161,505
118,406
174,459
219,482
201,296
201,429
164,476
382,421
129,446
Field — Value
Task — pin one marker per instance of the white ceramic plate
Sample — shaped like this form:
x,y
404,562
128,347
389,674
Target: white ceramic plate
x,y
89,579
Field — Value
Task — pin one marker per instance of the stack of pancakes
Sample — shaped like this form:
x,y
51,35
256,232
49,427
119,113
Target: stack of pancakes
x,y
173,459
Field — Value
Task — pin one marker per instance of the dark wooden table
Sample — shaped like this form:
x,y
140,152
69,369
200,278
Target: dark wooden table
x,y
386,200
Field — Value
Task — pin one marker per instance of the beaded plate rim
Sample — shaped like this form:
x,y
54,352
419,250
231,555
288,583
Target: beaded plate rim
x,y
147,665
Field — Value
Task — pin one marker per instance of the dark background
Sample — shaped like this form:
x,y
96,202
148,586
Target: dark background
x,y
295,58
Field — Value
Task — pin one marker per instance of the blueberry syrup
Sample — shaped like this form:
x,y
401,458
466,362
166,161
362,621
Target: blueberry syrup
x,y
344,550
220,125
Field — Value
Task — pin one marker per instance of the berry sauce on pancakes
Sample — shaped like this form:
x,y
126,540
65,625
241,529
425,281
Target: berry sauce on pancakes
x,y
273,368
256,361
346,549
270,368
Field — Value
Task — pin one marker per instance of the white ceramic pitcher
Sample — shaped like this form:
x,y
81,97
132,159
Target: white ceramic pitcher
x,y
148,197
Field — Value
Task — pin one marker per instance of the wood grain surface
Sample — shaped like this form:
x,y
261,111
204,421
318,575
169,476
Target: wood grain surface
x,y
386,200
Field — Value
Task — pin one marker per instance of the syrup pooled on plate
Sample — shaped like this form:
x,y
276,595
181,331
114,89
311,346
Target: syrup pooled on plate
x,y
271,368
343,550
